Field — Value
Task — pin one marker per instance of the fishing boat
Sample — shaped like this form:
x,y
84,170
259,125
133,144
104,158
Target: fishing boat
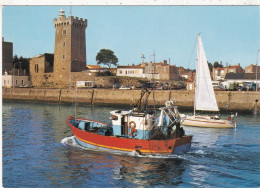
x,y
205,99
135,132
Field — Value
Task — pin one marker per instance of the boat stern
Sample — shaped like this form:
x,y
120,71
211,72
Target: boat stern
x,y
182,145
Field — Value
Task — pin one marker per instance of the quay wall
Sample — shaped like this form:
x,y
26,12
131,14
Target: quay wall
x,y
227,100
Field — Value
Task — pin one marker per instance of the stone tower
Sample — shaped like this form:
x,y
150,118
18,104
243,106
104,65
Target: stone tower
x,y
70,46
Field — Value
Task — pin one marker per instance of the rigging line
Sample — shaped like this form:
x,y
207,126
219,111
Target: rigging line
x,y
192,53
154,103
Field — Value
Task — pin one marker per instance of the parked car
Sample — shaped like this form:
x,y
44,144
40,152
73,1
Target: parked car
x,y
248,86
217,85
125,87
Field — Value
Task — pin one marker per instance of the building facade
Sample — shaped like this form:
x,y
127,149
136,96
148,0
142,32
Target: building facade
x,y
161,71
41,70
131,71
7,56
219,73
14,80
235,69
252,69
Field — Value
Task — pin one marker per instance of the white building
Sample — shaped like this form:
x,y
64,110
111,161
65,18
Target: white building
x,y
131,71
9,81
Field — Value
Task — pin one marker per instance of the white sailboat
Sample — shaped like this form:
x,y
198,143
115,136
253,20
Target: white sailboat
x,y
205,99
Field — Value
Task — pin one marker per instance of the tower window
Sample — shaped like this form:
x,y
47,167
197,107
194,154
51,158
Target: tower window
x,y
36,68
64,32
63,57
64,44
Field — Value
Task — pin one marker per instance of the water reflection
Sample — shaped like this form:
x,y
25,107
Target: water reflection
x,y
150,171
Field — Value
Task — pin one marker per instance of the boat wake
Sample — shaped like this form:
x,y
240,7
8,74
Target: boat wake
x,y
71,142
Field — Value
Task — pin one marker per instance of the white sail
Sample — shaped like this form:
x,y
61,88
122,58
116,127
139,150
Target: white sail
x,y
204,94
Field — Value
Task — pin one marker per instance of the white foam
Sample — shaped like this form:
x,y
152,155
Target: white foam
x,y
69,141
199,152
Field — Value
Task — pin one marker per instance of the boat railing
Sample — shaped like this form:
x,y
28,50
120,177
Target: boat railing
x,y
155,122
173,117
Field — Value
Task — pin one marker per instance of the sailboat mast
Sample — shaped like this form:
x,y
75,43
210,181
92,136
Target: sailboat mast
x,y
195,85
196,77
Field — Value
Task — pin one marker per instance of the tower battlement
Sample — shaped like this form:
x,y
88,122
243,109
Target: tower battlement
x,y
71,20
74,21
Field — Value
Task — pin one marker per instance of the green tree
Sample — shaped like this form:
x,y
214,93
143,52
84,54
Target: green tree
x,y
210,66
21,62
217,65
106,57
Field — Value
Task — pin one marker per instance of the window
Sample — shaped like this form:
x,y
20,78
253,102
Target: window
x,y
120,72
36,68
5,82
63,57
64,32
22,82
64,44
16,82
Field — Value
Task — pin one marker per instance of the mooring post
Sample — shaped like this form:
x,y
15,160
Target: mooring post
x,y
255,108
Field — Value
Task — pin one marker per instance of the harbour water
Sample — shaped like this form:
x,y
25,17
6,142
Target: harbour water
x,y
40,151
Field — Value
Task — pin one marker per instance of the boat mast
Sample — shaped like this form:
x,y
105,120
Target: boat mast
x,y
196,77
194,107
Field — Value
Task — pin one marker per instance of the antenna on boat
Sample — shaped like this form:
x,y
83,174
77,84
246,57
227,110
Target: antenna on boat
x,y
139,105
76,103
154,109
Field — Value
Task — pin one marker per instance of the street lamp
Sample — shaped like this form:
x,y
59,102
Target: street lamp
x,y
14,72
256,69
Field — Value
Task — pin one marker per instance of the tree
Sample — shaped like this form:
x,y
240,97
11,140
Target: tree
x,y
106,57
217,65
24,63
210,66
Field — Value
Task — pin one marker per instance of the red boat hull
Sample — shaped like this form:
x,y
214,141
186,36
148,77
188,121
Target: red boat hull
x,y
128,145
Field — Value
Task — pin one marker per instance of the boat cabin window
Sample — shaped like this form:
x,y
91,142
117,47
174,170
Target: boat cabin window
x,y
84,126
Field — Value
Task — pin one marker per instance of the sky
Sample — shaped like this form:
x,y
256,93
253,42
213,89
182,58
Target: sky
x,y
230,34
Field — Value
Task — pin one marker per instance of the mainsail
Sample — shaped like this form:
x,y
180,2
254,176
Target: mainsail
x,y
204,94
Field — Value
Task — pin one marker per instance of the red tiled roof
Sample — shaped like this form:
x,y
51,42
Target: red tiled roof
x,y
94,66
130,67
218,68
233,66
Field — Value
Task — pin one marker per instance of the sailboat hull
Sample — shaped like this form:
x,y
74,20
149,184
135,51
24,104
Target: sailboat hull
x,y
207,121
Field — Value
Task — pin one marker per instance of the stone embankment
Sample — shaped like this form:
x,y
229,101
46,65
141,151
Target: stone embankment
x,y
227,100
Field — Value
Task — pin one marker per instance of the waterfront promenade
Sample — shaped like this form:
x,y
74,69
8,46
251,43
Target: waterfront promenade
x,y
245,101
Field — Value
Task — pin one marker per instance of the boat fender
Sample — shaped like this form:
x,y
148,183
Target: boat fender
x,y
132,126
